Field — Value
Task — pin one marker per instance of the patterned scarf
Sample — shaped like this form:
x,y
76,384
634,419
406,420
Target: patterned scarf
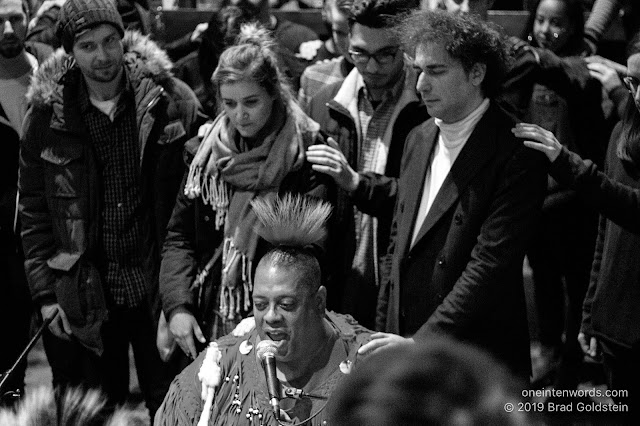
x,y
240,174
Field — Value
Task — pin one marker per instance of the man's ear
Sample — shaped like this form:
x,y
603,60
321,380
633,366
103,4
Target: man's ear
x,y
477,73
321,300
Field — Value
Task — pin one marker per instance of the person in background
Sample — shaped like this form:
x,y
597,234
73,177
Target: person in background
x,y
610,314
469,195
333,69
289,36
368,115
196,68
100,165
18,61
560,253
602,16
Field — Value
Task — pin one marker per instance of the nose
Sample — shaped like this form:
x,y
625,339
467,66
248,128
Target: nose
x,y
422,85
8,28
545,28
272,316
372,66
240,113
102,53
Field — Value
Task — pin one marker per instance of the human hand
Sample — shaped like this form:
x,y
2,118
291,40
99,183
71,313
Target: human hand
x,y
589,345
328,159
198,31
183,326
59,326
383,340
546,141
606,75
619,68
245,326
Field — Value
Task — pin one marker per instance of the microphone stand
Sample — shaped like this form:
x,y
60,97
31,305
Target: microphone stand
x,y
5,377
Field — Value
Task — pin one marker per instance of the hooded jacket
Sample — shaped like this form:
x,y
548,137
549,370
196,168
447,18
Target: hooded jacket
x,y
61,186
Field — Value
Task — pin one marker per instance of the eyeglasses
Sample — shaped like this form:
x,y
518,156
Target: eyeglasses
x,y
632,84
382,58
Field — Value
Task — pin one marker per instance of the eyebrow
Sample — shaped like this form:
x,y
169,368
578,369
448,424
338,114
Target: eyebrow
x,y
242,99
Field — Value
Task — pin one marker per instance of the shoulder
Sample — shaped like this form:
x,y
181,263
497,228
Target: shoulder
x,y
324,95
293,29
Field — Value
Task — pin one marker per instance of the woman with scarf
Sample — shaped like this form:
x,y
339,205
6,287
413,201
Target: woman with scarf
x,y
255,147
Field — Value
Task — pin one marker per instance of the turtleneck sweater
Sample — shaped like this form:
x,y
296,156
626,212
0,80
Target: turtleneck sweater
x,y
451,139
15,77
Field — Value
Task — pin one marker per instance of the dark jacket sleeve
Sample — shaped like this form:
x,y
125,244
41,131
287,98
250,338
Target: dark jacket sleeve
x,y
501,243
385,272
615,201
375,193
566,76
593,278
179,261
37,232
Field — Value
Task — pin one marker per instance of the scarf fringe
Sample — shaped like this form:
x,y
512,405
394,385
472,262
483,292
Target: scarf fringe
x,y
213,191
235,300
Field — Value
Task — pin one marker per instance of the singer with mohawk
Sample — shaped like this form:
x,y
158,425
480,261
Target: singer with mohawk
x,y
313,348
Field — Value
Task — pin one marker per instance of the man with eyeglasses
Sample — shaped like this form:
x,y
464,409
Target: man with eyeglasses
x,y
367,117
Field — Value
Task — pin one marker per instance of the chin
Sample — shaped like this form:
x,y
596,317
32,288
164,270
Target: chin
x,y
246,134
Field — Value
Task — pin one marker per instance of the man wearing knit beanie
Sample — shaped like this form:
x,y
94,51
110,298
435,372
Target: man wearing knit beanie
x,y
100,166
78,16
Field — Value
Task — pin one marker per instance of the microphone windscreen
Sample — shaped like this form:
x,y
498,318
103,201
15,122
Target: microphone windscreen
x,y
265,347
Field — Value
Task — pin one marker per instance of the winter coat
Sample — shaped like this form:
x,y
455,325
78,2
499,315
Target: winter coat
x,y
192,240
61,187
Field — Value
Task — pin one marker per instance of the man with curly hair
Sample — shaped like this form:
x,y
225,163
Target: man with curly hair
x,y
468,195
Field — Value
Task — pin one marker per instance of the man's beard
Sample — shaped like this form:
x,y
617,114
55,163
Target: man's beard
x,y
11,47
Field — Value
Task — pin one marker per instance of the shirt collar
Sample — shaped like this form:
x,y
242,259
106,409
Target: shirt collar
x,y
85,102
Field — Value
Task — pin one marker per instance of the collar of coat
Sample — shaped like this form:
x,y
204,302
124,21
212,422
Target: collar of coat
x,y
346,99
148,67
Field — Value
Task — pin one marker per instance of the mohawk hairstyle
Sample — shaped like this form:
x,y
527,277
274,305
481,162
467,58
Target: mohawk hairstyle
x,y
293,220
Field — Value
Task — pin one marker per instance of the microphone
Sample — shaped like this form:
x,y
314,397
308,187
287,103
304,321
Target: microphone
x,y
266,351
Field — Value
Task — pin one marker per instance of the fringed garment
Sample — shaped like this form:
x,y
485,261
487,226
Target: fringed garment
x,y
242,398
240,173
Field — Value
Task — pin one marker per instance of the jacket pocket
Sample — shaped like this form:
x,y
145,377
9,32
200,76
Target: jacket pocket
x,y
78,287
65,180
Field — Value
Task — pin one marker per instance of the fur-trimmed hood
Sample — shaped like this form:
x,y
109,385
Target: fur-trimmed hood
x,y
142,56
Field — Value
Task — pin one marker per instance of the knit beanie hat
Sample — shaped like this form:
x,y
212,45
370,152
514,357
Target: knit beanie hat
x,y
80,15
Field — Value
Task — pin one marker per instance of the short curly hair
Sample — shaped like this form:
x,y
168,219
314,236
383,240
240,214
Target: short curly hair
x,y
380,13
464,37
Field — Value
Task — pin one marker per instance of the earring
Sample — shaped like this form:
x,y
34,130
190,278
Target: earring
x,y
556,35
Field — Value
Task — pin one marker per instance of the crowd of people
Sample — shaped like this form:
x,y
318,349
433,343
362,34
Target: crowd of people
x,y
361,206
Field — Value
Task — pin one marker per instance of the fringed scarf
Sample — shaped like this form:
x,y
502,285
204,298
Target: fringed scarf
x,y
240,174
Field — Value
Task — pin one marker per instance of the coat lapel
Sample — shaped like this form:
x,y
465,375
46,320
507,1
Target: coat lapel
x,y
477,151
418,164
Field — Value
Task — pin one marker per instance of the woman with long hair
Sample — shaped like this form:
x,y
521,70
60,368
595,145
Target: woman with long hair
x,y
256,146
